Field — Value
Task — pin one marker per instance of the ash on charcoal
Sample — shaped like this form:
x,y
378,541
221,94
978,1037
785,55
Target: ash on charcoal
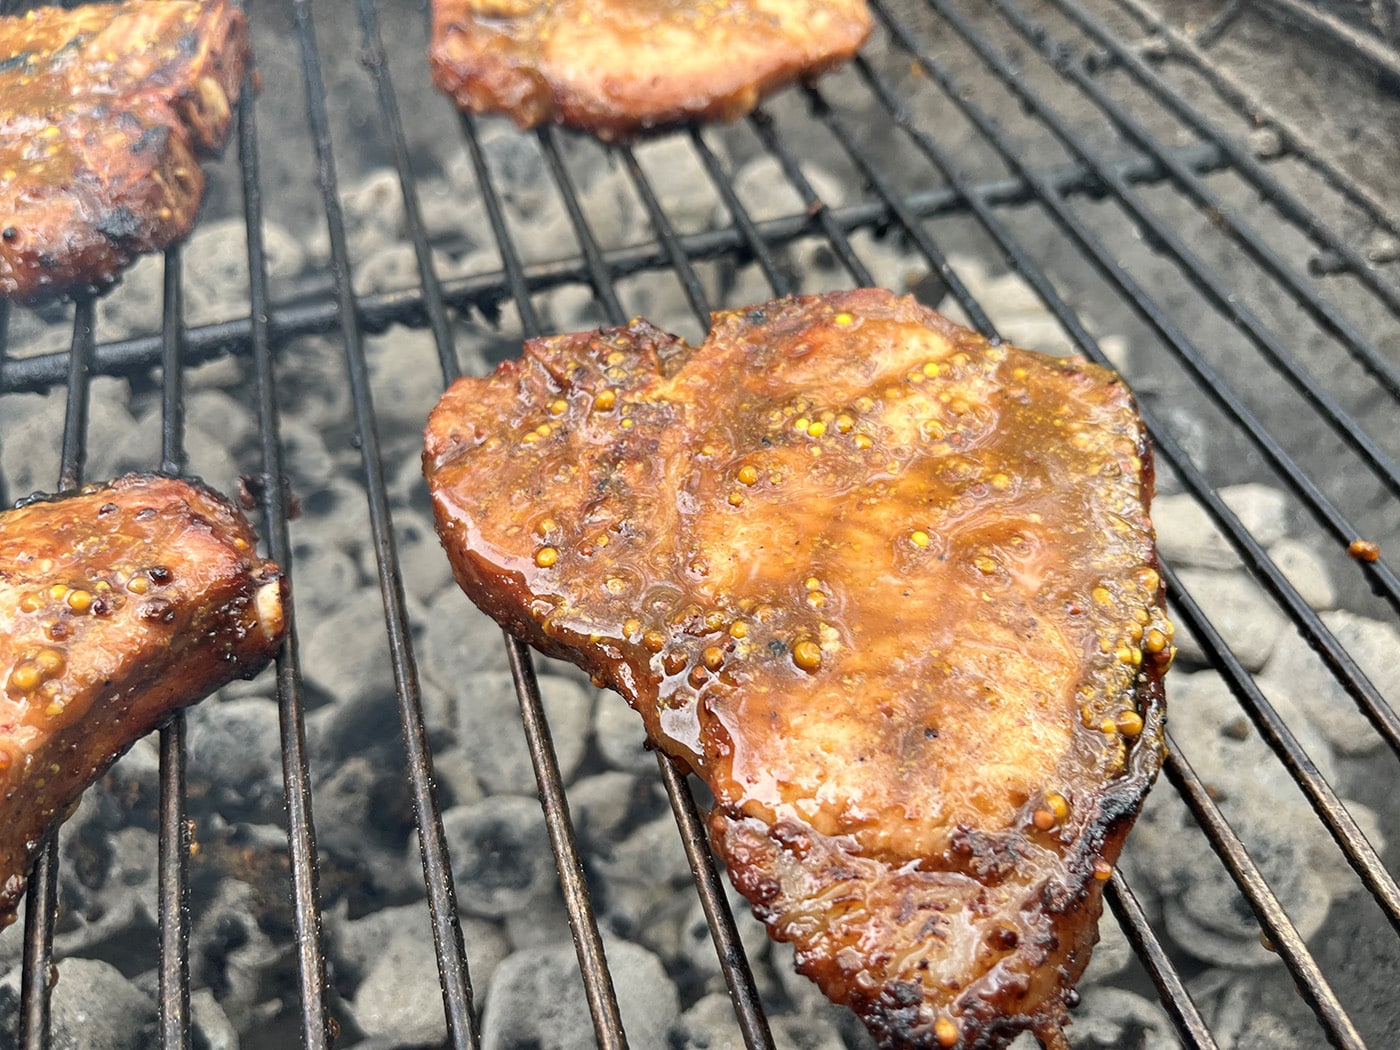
x,y
305,457
697,945
93,1008
399,998
229,951
501,856
1116,1019
710,1025
1329,707
212,1028
485,714
235,757
1306,571
1187,536
677,176
321,578
621,736
346,655
1204,911
536,999
424,568
461,642
363,819
766,193
1239,610
29,455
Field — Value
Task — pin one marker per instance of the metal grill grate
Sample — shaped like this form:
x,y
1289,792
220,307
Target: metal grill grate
x,y
1053,196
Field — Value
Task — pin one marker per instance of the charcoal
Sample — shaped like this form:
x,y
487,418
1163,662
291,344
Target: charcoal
x,y
422,565
321,578
486,719
460,643
536,999
311,383
620,735
334,514
230,951
455,778
235,757
500,856
677,177
363,820
546,925
407,381
212,1028
93,1008
399,998
1112,1018
710,1025
766,192
346,654
1331,709
1187,536
1306,571
698,945
615,216
305,457
29,454
374,213
1239,610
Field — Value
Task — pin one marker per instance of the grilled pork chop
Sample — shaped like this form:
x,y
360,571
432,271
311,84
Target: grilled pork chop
x,y
119,605
889,589
619,66
107,110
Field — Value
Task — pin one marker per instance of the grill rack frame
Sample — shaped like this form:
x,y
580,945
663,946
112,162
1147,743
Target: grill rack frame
x,y
268,324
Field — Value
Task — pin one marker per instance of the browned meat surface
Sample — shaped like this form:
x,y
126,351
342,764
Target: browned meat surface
x,y
119,605
107,109
619,66
888,589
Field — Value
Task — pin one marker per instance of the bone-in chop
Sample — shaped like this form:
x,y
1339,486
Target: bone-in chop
x,y
107,110
118,605
889,589
617,67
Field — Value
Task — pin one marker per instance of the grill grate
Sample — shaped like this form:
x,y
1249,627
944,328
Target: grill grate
x,y
1170,126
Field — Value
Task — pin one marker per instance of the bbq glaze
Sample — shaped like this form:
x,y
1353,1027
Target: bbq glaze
x,y
617,67
108,108
118,605
889,589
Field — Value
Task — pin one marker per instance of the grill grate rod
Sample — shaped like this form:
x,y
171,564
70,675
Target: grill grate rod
x,y
1305,294
454,971
1295,140
1347,37
1347,834
316,314
1176,1000
661,225
41,902
1339,661
1288,204
738,975
173,850
296,775
1311,983
1183,349
588,942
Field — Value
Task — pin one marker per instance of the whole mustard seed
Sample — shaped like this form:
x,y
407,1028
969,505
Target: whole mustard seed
x,y
919,538
808,656
844,319
739,629
605,400
1129,723
713,657
748,475
1103,870
80,601
546,556
26,677
736,499
817,429
945,1030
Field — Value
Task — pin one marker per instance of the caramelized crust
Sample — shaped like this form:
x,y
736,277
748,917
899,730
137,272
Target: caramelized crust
x,y
108,108
890,590
120,604
620,66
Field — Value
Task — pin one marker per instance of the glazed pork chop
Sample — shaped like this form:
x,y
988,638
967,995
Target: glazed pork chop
x,y
616,67
120,604
889,589
108,109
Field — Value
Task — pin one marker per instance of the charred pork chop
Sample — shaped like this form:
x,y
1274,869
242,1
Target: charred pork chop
x,y
107,110
888,588
119,605
619,66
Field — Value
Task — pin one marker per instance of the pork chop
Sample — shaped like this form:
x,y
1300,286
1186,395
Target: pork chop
x,y
616,67
108,108
120,604
890,589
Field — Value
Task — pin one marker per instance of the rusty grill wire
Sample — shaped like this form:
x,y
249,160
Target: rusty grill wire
x,y
1123,56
